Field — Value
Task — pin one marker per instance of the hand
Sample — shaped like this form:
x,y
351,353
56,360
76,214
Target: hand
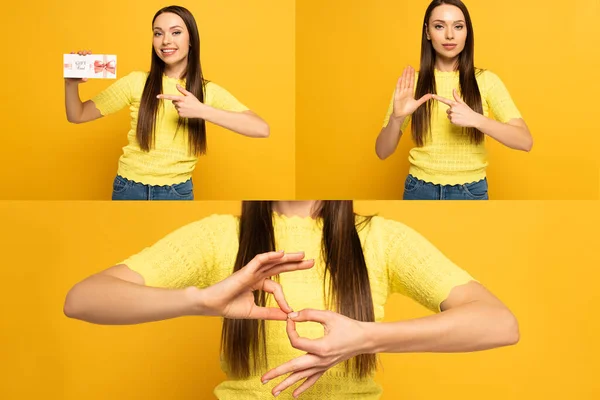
x,y
77,81
404,97
459,113
187,105
344,338
233,297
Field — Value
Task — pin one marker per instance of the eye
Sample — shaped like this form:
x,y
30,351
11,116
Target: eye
x,y
157,34
459,27
438,26
176,32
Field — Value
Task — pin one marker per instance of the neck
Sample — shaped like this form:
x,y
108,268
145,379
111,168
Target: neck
x,y
296,208
176,70
446,64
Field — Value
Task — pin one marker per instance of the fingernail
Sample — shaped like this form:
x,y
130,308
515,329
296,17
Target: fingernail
x,y
265,381
293,315
276,394
280,251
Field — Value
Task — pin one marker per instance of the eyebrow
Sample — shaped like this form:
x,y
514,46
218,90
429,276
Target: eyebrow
x,y
175,26
439,20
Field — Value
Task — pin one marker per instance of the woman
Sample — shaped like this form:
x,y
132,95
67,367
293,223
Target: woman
x,y
169,107
336,261
450,160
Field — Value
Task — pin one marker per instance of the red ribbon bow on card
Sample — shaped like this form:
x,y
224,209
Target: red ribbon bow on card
x,y
105,67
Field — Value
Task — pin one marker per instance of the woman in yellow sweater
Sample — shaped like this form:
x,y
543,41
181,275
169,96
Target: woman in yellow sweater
x,y
169,107
450,118
340,268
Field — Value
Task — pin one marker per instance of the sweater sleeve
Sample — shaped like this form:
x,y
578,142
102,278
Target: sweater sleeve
x,y
120,94
498,98
416,268
220,98
186,257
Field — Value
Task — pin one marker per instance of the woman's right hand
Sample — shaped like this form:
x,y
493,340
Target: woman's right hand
x,y
404,98
233,297
77,81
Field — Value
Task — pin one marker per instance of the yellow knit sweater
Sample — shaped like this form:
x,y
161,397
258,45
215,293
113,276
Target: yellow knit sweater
x,y
448,157
168,162
399,260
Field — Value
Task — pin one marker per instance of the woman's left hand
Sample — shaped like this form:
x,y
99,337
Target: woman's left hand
x,y
344,338
459,113
187,105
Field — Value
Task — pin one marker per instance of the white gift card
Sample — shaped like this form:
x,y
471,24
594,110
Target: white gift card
x,y
101,66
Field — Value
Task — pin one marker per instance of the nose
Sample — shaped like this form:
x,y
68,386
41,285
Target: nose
x,y
166,39
449,33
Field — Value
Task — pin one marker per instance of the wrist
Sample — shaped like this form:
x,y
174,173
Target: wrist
x,y
369,344
201,110
479,122
193,301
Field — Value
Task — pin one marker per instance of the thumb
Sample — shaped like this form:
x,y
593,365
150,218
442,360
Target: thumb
x,y
456,96
182,90
310,315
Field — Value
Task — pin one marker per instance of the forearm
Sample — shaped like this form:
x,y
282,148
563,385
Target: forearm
x,y
388,138
107,300
515,137
470,327
73,104
244,123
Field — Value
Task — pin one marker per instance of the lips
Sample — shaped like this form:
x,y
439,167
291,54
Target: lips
x,y
168,51
449,46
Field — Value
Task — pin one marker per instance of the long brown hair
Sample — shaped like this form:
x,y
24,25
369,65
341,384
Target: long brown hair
x,y
145,131
421,118
350,291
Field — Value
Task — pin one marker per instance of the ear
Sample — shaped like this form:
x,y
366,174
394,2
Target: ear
x,y
427,33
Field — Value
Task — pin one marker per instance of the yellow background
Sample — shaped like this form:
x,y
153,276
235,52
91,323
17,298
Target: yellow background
x,y
350,54
540,258
246,47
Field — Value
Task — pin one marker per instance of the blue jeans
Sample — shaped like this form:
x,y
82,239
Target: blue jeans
x,y
124,189
416,189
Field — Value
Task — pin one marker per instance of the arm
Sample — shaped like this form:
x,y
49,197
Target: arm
x,y
389,137
472,319
402,106
78,112
514,133
245,123
118,295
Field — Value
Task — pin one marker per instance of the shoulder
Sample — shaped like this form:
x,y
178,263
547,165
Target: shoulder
x,y
486,78
218,222
377,227
212,87
213,227
136,76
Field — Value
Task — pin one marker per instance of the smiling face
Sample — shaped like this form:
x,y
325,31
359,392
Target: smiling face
x,y
171,39
447,31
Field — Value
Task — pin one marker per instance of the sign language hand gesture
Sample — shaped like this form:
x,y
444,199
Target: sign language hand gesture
x,y
459,113
404,98
187,105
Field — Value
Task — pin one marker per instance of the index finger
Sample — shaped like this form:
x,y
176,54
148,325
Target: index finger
x,y
444,100
170,97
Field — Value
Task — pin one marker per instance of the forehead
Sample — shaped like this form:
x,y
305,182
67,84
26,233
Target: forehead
x,y
167,20
447,12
